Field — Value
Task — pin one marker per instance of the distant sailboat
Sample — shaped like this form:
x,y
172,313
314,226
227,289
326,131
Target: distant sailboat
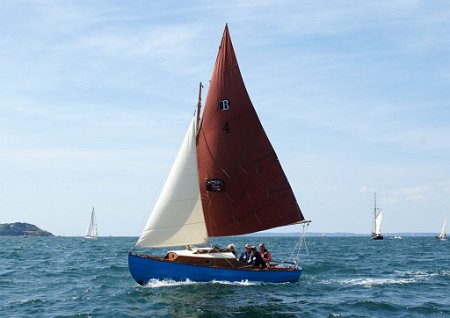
x,y
92,231
378,215
442,236
226,181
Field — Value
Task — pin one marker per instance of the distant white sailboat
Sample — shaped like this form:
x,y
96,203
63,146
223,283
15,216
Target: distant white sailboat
x,y
92,231
378,215
442,236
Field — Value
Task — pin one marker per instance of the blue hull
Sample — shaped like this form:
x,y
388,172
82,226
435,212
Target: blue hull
x,y
144,269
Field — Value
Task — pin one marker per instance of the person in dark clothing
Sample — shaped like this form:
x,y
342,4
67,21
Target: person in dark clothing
x,y
246,256
257,260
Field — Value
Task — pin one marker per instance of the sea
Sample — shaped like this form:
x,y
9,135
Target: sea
x,y
342,277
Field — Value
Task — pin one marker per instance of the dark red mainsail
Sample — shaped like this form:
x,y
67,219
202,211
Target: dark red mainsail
x,y
243,187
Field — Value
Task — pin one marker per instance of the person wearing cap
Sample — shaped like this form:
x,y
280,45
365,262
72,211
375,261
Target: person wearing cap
x,y
265,254
232,250
257,260
246,255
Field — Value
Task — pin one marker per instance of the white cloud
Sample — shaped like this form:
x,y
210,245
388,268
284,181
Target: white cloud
x,y
419,193
163,41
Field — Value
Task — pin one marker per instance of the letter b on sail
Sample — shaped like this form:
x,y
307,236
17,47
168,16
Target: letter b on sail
x,y
224,104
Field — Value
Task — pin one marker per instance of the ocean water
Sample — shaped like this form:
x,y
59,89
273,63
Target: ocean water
x,y
342,277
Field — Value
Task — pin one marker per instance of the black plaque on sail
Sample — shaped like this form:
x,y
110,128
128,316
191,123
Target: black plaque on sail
x,y
214,185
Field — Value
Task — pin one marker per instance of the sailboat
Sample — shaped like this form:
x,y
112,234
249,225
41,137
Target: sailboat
x,y
378,215
442,236
92,231
226,180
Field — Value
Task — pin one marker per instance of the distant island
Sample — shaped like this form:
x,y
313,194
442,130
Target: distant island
x,y
22,229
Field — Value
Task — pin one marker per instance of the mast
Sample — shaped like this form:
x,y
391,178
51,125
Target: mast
x,y
377,216
374,212
199,106
375,204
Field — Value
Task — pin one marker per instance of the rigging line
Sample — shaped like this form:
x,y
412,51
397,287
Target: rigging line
x,y
294,252
305,228
295,256
199,107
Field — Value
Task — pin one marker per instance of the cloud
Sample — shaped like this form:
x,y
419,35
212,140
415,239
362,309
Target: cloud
x,y
168,41
419,193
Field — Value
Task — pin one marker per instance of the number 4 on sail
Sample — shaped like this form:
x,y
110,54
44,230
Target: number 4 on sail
x,y
226,180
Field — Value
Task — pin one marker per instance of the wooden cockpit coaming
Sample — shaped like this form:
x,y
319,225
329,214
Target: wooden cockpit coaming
x,y
208,260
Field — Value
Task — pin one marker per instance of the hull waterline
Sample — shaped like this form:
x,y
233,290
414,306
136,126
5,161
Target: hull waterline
x,y
143,269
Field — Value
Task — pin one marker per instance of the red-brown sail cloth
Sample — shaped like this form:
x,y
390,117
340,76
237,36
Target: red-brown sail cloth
x,y
248,191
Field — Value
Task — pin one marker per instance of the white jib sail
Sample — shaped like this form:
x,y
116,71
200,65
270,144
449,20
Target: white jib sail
x,y
92,230
378,222
177,217
442,234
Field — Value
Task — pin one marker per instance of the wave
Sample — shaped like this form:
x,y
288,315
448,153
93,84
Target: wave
x,y
420,274
402,278
369,282
156,283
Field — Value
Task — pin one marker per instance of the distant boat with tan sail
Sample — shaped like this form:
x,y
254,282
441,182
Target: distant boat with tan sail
x,y
442,236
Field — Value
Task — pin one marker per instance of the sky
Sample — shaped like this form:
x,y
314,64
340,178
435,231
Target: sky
x,y
95,98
